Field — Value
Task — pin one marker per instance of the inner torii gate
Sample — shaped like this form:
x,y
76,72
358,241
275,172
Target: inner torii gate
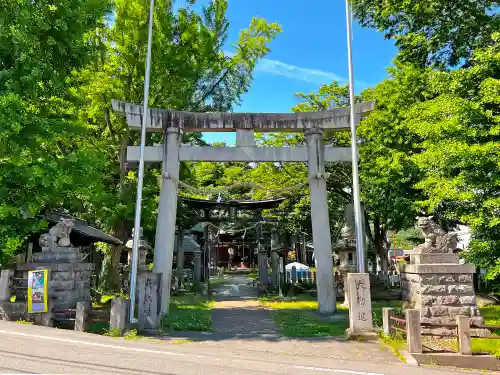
x,y
312,124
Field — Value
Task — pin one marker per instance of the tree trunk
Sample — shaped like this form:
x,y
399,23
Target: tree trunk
x,y
111,274
380,248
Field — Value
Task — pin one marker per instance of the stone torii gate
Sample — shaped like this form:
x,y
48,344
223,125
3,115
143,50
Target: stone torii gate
x,y
312,124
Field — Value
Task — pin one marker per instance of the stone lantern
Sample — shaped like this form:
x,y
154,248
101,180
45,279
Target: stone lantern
x,y
144,247
346,250
190,246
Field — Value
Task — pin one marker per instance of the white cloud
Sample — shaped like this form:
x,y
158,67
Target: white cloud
x,y
316,76
280,68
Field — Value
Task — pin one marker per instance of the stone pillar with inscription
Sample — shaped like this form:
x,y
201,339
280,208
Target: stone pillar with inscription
x,y
262,256
149,284
197,267
275,258
435,283
360,304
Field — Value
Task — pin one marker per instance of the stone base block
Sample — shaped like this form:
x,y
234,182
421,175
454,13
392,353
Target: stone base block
x,y
60,249
66,267
438,268
364,335
479,362
51,257
13,311
71,275
441,331
434,259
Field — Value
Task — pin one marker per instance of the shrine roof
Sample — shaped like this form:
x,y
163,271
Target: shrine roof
x,y
242,205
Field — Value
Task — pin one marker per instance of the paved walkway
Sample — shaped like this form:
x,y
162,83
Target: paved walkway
x,y
237,310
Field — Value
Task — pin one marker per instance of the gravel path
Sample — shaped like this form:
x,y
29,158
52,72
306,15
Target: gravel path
x,y
237,310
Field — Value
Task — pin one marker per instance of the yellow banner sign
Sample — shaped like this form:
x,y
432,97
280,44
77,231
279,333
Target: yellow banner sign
x,y
38,286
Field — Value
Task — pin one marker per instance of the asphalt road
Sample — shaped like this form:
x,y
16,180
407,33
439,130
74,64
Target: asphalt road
x,y
41,350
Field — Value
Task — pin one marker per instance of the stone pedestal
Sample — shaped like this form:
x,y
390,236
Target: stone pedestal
x,y
435,283
69,277
441,292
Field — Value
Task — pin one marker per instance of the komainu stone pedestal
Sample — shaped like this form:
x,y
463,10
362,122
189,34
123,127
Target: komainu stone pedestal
x,y
69,273
435,283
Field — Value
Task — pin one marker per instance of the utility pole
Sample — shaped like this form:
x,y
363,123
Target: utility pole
x,y
360,243
140,177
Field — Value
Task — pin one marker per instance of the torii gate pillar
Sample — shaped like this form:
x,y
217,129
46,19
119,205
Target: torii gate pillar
x,y
320,222
167,213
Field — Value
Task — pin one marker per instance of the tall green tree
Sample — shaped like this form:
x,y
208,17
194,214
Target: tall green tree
x,y
189,71
438,33
432,146
43,162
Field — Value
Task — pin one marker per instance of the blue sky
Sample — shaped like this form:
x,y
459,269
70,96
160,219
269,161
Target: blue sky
x,y
311,51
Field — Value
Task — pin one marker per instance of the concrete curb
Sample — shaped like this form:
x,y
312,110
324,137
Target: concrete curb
x,y
214,336
477,362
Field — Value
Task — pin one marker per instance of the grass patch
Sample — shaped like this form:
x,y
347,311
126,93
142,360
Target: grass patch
x,y
396,344
298,318
21,321
113,333
491,315
103,302
179,342
188,313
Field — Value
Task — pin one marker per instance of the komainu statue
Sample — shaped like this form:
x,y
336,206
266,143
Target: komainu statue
x,y
436,239
58,235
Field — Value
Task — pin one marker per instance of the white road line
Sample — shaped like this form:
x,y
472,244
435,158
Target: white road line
x,y
94,344
338,371
120,347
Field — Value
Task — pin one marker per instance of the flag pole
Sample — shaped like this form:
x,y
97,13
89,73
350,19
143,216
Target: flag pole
x,y
360,244
140,177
